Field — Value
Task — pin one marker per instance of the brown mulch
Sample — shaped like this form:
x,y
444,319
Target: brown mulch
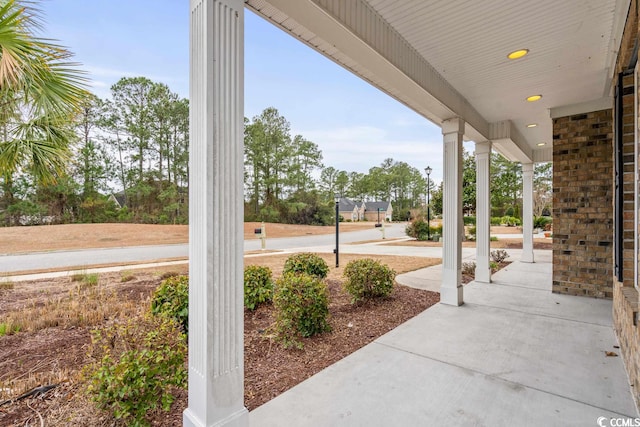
x,y
270,369
56,355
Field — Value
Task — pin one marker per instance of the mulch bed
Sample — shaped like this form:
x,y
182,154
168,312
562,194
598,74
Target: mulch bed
x,y
58,354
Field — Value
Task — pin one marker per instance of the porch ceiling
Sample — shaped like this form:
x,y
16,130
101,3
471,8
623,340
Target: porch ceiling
x,y
448,58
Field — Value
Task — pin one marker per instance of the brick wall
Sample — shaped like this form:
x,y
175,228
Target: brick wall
x,y
625,295
625,308
583,204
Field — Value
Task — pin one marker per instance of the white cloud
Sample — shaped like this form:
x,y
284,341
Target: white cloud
x,y
359,148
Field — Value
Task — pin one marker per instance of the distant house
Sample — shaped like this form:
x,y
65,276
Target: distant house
x,y
364,211
348,209
372,208
118,199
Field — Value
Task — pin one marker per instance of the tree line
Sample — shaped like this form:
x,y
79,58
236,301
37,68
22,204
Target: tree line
x,y
134,145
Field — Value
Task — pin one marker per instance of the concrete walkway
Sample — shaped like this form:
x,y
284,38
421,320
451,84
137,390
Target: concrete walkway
x,y
514,355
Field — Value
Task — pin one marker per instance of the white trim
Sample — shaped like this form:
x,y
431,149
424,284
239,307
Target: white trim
x,y
483,211
216,326
604,103
635,176
527,212
451,292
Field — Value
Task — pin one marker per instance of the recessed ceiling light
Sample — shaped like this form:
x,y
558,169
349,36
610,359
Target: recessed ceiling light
x,y
541,144
516,54
533,98
532,125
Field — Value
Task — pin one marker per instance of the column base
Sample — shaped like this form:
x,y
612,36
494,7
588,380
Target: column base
x,y
483,275
527,258
238,419
451,295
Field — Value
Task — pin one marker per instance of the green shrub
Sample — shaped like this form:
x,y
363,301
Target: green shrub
x,y
135,365
510,221
368,278
541,221
493,266
418,229
307,263
469,220
496,220
301,302
493,238
472,231
172,299
258,286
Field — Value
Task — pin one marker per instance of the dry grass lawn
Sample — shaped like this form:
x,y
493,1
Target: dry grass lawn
x,y
84,236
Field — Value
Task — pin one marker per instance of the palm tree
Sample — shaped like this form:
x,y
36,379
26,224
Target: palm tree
x,y
40,92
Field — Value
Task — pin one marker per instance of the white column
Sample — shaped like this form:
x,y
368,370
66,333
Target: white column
x,y
483,211
527,212
216,353
451,288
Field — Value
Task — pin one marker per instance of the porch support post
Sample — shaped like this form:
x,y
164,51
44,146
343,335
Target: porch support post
x,y
483,211
451,288
527,212
216,364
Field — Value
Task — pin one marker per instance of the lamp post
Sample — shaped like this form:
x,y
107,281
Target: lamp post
x,y
428,172
337,200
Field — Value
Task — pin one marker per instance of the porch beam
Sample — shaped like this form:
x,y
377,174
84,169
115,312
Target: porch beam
x,y
527,212
216,353
451,288
483,211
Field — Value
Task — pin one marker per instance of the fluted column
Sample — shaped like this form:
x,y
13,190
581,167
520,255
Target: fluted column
x,y
527,212
216,365
451,288
483,211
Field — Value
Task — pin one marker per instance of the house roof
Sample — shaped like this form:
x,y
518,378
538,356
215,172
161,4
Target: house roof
x,y
374,206
346,205
446,59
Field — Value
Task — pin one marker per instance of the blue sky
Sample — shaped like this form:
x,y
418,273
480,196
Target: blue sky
x,y
355,125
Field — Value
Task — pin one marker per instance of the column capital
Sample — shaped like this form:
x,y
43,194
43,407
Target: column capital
x,y
454,125
527,168
483,147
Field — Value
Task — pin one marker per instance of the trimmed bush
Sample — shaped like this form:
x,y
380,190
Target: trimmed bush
x,y
258,286
135,365
418,229
368,278
172,299
469,220
307,263
301,302
510,221
496,220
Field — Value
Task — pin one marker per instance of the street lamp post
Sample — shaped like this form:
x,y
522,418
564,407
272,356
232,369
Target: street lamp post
x,y
337,200
428,171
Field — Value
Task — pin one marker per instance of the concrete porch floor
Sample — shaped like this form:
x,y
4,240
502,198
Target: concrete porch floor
x,y
513,354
